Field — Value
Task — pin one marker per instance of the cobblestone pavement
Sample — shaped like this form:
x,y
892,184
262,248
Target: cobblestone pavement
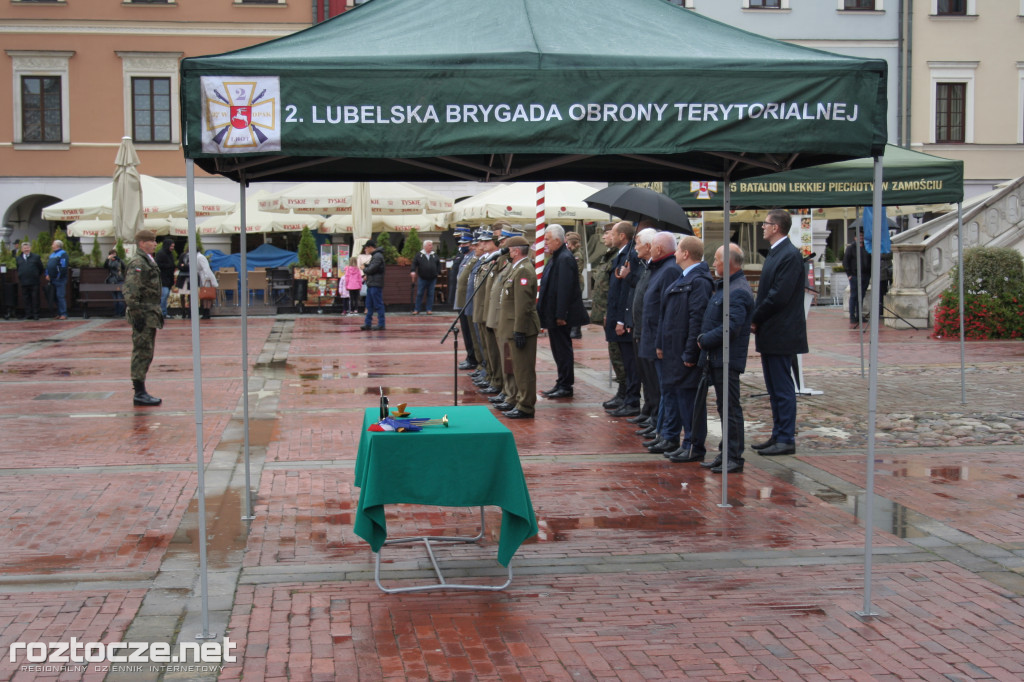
x,y
638,572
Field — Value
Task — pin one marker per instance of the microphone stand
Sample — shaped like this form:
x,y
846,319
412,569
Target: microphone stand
x,y
454,328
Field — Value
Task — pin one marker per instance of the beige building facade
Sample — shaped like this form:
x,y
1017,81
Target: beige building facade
x,y
966,85
81,74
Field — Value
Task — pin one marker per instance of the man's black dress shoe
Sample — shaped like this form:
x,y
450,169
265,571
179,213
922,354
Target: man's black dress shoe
x,y
647,431
766,444
664,446
366,328
778,449
466,364
685,455
500,398
504,407
626,411
734,467
639,418
716,462
490,390
517,414
653,441
614,403
560,393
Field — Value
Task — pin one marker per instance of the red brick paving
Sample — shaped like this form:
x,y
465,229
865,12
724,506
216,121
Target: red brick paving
x,y
772,624
947,486
89,616
90,522
754,623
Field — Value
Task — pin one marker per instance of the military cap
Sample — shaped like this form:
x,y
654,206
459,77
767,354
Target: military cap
x,y
518,240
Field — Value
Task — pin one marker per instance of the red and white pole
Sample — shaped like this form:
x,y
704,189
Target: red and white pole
x,y
538,236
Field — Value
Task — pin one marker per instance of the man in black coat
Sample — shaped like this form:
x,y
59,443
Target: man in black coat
x,y
780,329
30,271
426,266
618,327
682,309
859,277
560,306
711,341
663,271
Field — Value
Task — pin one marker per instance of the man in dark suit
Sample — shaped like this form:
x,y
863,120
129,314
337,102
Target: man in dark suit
x,y
560,307
618,328
780,329
30,270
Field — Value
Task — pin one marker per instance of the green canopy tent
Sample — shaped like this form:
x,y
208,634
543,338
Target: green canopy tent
x,y
908,177
591,90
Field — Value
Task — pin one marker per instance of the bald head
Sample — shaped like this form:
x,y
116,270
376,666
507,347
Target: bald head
x,y
736,260
662,244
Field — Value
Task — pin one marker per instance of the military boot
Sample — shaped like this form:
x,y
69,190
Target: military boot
x,y
141,397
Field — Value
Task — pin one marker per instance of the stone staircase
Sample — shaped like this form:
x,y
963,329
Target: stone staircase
x,y
924,256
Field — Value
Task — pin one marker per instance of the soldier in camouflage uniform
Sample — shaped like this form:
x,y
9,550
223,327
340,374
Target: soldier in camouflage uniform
x,y
142,296
573,242
599,305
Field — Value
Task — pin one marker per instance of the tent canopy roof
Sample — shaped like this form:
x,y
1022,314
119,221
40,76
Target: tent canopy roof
x,y
596,90
908,178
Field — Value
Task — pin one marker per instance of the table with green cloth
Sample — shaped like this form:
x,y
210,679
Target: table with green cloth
x,y
471,463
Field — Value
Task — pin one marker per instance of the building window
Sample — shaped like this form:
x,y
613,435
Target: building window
x,y
150,2
950,112
151,109
41,109
859,5
1020,102
259,2
40,96
944,7
763,4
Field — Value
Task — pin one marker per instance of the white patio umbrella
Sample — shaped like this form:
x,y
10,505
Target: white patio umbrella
x,y
257,221
105,228
329,198
126,192
430,222
162,199
517,202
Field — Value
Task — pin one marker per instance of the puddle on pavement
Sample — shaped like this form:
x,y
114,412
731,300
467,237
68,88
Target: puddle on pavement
x,y
938,475
262,432
225,530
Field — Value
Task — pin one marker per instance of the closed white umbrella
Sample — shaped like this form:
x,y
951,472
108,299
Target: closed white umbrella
x,y
126,192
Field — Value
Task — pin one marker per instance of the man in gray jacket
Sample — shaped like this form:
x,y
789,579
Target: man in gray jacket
x,y
373,276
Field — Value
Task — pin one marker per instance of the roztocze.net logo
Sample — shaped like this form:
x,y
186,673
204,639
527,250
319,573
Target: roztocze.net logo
x,y
76,651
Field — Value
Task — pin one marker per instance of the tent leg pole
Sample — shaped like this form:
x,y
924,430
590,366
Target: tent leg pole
x,y
960,283
726,207
869,492
244,296
197,393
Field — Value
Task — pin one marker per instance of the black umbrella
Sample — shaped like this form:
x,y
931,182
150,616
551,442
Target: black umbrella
x,y
636,203
701,398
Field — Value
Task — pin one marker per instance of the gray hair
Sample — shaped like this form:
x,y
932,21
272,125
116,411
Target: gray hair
x,y
58,243
429,241
556,231
646,235
665,240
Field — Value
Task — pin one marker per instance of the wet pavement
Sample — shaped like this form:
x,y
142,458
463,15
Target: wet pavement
x,y
638,571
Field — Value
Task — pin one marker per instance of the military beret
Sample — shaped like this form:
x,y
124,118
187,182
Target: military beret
x,y
518,240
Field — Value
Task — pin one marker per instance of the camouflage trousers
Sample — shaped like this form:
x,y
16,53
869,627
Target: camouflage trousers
x,y
143,346
615,353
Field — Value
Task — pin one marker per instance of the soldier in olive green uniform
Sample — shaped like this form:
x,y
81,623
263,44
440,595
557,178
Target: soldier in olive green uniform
x,y
142,296
481,284
520,287
573,242
461,285
599,305
501,327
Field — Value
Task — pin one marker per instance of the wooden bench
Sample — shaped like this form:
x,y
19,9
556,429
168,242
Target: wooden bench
x,y
96,293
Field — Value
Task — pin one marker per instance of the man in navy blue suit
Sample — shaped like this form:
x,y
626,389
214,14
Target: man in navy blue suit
x,y
780,329
618,327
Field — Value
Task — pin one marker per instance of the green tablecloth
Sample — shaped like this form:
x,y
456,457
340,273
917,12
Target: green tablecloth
x,y
471,463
